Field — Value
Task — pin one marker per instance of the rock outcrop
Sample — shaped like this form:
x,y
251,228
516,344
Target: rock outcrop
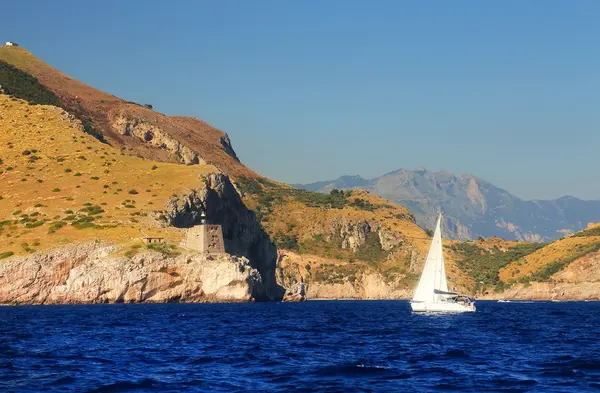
x,y
154,136
242,234
345,281
351,234
93,273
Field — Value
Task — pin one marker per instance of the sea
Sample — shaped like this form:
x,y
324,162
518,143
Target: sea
x,y
315,346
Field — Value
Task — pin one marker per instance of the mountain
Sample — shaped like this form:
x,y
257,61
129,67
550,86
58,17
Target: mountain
x,y
472,207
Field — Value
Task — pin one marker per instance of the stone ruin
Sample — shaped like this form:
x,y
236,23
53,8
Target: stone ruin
x,y
205,238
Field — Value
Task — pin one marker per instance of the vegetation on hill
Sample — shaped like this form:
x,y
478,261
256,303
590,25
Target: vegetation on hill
x,y
492,264
20,84
483,263
61,185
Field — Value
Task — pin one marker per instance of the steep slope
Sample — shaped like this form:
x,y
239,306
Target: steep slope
x,y
472,206
62,188
134,127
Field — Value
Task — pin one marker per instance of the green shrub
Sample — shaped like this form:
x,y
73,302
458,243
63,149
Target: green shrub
x,y
55,226
6,254
371,251
132,192
84,222
285,241
56,190
92,210
363,204
168,250
34,224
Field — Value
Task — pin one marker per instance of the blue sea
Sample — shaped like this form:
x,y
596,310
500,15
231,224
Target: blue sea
x,y
316,346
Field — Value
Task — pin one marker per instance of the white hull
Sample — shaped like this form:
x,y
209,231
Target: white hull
x,y
441,307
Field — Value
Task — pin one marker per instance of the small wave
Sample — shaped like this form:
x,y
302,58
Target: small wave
x,y
63,381
514,382
124,386
574,364
558,313
352,370
202,360
456,354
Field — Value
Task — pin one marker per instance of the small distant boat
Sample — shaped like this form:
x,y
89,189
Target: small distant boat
x,y
432,293
503,301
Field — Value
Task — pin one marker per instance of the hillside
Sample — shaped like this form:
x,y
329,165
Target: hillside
x,y
140,130
61,185
473,207
356,237
568,268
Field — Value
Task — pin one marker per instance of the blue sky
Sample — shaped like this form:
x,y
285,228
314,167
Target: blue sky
x,y
310,90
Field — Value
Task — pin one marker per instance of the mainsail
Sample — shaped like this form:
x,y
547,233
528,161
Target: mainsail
x,y
434,275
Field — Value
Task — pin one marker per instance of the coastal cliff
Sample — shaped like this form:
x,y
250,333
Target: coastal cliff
x,y
95,272
242,234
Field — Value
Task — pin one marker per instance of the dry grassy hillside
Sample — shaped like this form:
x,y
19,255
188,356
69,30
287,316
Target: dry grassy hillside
x,y
137,129
59,184
543,264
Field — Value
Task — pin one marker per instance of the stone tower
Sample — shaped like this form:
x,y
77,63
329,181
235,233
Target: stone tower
x,y
205,238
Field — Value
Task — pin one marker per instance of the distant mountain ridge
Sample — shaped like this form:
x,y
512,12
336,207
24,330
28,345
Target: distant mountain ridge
x,y
472,207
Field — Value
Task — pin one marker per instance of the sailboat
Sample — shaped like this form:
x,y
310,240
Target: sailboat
x,y
432,293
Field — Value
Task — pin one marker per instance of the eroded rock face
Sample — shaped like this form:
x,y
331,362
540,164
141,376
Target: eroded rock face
x,y
227,147
153,135
87,273
369,285
389,239
242,234
351,234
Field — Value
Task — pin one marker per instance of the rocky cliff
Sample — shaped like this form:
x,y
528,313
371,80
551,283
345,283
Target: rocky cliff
x,y
94,272
242,234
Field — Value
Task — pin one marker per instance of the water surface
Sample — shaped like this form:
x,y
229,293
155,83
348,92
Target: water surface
x,y
315,346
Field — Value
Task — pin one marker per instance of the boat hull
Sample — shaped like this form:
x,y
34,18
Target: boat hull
x,y
441,307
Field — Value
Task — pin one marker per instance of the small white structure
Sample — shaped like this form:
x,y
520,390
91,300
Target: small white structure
x,y
10,43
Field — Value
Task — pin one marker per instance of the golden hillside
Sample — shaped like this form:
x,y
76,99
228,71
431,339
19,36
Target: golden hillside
x,y
139,129
61,185
544,263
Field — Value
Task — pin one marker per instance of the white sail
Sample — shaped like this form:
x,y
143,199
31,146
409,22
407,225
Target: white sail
x,y
434,274
432,293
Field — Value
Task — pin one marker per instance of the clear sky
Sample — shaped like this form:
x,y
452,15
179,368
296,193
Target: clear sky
x,y
310,90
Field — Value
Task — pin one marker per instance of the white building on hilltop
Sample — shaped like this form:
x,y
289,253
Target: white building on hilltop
x,y
10,43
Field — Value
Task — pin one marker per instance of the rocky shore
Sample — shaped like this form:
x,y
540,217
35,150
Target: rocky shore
x,y
95,272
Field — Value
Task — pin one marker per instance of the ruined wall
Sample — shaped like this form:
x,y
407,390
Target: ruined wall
x,y
205,238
